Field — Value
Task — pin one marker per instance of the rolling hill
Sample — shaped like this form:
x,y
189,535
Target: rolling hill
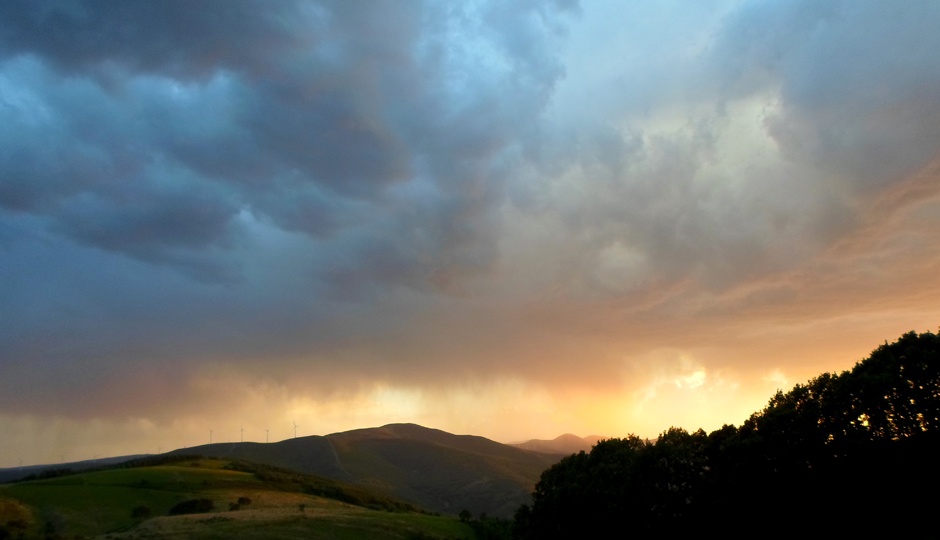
x,y
208,498
430,468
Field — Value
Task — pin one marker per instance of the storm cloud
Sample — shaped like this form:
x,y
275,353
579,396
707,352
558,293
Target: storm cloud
x,y
351,209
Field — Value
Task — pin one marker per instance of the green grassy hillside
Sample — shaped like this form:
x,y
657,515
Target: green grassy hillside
x,y
431,468
136,502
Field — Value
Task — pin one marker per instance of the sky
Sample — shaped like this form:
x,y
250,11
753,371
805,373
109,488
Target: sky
x,y
509,219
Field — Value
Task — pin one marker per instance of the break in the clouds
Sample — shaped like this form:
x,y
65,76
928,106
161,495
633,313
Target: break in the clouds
x,y
516,219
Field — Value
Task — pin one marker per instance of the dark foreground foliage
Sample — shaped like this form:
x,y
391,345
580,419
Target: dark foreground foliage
x,y
487,528
853,453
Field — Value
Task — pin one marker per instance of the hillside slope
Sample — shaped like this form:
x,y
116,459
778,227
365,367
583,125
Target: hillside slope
x,y
430,468
236,500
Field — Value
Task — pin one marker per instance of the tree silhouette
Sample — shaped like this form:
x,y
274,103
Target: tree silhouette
x,y
814,459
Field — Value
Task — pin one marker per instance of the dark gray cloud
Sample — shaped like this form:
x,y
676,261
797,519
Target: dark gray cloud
x,y
216,141
292,112
170,38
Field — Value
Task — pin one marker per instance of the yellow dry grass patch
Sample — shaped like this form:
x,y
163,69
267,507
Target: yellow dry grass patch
x,y
266,507
15,516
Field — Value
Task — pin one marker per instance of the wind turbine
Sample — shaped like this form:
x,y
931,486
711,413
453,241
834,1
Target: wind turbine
x,y
210,436
242,429
266,434
295,430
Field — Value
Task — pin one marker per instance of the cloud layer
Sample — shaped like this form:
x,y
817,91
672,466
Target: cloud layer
x,y
597,217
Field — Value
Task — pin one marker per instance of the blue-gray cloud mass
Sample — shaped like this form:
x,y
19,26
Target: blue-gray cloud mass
x,y
316,195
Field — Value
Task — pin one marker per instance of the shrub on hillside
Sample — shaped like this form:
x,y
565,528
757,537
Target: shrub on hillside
x,y
140,512
192,506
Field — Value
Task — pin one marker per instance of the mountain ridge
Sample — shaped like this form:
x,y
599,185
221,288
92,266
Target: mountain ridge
x,y
428,467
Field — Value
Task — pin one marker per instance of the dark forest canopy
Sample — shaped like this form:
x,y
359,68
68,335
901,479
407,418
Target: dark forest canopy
x,y
854,452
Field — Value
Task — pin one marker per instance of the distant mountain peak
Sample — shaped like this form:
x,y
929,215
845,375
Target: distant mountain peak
x,y
563,444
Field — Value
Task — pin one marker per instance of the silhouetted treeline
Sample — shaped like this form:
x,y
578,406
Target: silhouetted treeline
x,y
45,474
157,460
853,453
92,466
